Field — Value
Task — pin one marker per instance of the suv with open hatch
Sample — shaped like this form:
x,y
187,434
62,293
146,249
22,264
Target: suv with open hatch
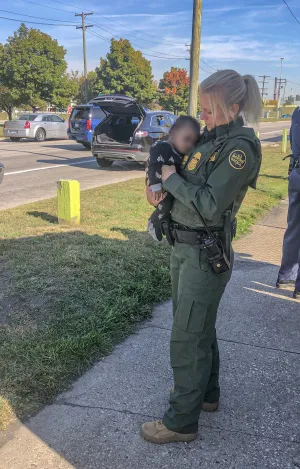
x,y
128,130
83,120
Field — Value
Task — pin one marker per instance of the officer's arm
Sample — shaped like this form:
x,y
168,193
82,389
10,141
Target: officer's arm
x,y
236,169
291,133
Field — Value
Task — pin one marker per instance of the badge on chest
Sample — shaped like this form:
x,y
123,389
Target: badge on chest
x,y
194,162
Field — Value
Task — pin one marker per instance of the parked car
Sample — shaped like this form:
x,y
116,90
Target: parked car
x,y
1,172
37,126
128,130
83,120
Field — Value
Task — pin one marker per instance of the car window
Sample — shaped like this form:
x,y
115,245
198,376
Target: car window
x,y
27,117
56,119
81,113
160,120
47,118
172,119
97,113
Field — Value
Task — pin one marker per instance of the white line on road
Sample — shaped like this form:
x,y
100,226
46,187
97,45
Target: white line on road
x,y
49,167
271,132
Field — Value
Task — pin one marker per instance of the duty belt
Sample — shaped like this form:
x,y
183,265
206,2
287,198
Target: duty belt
x,y
185,235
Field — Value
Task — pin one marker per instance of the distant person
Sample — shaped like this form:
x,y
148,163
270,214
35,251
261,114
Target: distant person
x,y
183,136
289,273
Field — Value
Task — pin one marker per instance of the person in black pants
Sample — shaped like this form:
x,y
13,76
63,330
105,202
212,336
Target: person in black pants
x,y
289,273
183,136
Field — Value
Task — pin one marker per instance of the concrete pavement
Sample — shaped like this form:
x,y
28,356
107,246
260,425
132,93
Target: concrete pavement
x,y
32,170
96,424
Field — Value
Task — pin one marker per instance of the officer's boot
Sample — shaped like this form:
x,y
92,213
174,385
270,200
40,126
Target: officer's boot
x,y
157,432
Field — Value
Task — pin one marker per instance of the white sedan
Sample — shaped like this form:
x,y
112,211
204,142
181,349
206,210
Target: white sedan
x,y
37,126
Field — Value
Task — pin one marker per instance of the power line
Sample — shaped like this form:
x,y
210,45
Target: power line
x,y
121,24
47,6
106,17
264,82
36,17
292,13
148,55
135,44
35,22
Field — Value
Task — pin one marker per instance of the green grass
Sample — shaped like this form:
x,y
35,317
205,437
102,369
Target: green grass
x,y
68,296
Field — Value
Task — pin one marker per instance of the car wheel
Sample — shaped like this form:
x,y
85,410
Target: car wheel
x,y
87,146
103,163
15,139
40,135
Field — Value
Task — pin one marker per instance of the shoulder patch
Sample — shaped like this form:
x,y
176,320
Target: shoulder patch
x,y
194,161
237,159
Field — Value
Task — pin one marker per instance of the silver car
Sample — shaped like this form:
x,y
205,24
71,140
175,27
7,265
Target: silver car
x,y
37,126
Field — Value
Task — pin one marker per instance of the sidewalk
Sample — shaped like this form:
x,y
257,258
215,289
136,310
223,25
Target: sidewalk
x,y
96,424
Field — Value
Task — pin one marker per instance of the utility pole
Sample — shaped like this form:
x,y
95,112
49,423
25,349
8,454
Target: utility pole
x,y
279,89
263,84
275,89
195,58
83,27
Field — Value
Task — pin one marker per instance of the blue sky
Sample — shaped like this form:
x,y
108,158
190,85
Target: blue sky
x,y
247,36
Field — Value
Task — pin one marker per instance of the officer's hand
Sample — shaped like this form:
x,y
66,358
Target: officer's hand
x,y
167,171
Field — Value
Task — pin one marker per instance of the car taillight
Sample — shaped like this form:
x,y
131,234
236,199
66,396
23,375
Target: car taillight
x,y
141,133
88,124
27,125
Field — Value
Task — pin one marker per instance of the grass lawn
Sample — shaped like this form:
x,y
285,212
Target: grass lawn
x,y
1,130
68,296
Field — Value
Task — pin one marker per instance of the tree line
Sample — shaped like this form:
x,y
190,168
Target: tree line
x,y
33,73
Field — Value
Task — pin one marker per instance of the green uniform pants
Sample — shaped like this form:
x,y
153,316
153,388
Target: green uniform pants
x,y
196,294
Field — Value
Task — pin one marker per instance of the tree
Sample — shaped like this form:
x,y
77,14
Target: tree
x,y
174,90
126,71
7,101
93,85
33,67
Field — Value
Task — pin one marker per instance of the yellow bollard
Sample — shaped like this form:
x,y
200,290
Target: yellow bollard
x,y
284,140
68,202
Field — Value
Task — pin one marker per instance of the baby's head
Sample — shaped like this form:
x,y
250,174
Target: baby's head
x,y
184,134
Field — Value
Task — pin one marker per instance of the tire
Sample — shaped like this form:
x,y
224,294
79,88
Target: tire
x,y
87,145
15,139
40,135
103,163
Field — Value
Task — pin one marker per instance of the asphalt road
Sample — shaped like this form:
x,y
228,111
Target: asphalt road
x,y
32,169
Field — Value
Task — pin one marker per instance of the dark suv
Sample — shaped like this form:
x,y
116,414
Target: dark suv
x,y
128,130
83,120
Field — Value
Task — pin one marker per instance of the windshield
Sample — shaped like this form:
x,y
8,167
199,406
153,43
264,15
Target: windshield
x,y
27,117
81,113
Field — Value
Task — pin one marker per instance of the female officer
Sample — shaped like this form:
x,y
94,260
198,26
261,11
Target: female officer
x,y
213,180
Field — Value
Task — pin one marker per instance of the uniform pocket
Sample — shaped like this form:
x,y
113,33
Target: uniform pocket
x,y
190,315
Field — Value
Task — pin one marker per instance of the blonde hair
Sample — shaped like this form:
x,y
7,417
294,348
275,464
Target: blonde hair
x,y
227,87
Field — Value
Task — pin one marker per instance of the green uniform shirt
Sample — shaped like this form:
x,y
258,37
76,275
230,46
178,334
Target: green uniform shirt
x,y
216,176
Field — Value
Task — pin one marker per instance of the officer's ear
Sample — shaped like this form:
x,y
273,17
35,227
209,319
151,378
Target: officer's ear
x,y
234,110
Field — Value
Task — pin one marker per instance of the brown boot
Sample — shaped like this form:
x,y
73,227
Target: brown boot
x,y
157,432
208,407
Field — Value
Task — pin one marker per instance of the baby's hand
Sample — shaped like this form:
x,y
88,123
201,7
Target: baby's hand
x,y
158,195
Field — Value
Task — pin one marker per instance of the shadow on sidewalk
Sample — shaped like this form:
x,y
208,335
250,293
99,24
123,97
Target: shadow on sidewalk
x,y
69,298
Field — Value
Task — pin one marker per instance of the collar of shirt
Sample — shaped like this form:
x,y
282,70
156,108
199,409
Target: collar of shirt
x,y
222,129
